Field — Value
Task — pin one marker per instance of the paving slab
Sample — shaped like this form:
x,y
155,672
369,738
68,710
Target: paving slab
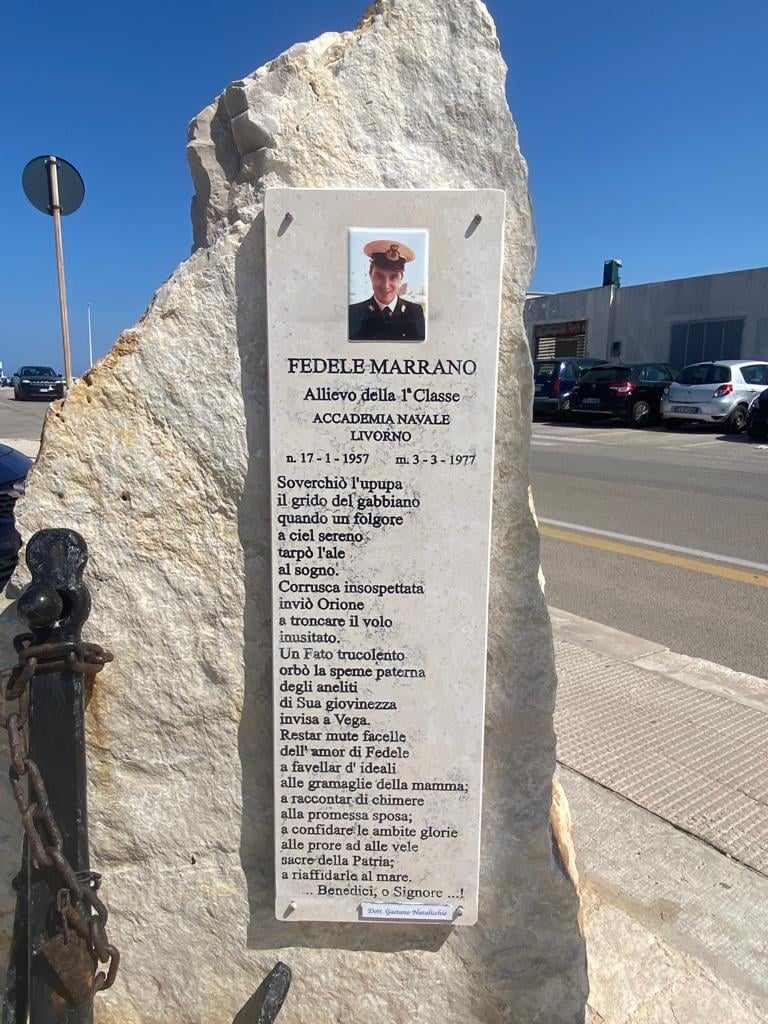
x,y
692,756
662,746
662,887
637,978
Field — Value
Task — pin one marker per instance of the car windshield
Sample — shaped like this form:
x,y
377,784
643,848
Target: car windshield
x,y
37,372
545,370
606,373
705,373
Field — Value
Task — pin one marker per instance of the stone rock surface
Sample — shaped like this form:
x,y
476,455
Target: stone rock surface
x,y
166,476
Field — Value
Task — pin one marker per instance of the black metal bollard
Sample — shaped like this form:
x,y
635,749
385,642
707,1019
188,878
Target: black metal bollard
x,y
267,1001
59,935
55,951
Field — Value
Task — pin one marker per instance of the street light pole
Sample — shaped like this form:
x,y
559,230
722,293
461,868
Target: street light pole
x,y
53,180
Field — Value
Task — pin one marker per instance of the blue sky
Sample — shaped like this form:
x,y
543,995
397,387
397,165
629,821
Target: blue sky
x,y
644,127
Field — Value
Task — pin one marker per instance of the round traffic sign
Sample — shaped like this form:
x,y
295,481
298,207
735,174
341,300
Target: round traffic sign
x,y
36,182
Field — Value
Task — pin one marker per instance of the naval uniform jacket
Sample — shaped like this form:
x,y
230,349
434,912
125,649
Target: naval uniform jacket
x,y
368,323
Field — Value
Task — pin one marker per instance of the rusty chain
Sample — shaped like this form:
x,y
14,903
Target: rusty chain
x,y
78,889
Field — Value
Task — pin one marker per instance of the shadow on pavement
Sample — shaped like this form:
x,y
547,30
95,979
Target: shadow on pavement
x,y
683,429
741,439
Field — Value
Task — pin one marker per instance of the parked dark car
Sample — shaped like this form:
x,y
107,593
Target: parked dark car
x,y
630,391
13,473
553,380
37,382
757,418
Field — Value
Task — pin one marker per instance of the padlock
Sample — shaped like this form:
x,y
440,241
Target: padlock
x,y
72,963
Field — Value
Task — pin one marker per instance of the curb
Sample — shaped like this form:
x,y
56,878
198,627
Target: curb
x,y
23,445
613,644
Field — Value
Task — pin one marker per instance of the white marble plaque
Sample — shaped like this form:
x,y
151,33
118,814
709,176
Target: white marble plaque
x,y
383,314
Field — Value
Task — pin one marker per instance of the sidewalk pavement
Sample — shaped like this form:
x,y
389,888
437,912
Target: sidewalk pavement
x,y
663,760
22,444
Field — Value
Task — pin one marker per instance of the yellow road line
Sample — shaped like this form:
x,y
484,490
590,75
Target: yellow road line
x,y
725,572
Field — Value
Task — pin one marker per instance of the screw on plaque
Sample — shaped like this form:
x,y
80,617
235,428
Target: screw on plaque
x,y
474,224
285,224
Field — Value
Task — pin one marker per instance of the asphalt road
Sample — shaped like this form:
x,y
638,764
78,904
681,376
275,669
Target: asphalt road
x,y
20,419
659,491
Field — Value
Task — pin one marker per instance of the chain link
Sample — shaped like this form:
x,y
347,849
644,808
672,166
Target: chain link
x,y
35,811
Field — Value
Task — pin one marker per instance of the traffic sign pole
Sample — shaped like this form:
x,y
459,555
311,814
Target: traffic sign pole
x,y
55,187
53,184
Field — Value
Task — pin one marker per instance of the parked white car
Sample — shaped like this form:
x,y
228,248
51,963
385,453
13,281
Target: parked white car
x,y
717,392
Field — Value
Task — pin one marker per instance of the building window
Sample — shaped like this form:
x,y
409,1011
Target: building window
x,y
557,341
703,340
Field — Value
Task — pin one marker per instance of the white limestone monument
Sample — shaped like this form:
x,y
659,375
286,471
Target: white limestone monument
x,y
383,156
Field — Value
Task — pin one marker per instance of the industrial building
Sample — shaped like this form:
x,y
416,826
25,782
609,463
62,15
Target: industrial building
x,y
719,316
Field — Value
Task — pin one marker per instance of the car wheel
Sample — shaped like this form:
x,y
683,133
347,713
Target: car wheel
x,y
737,421
640,413
16,395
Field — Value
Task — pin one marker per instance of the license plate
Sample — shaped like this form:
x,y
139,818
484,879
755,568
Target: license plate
x,y
590,403
685,408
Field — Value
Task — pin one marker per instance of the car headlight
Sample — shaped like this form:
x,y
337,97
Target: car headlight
x,y
25,381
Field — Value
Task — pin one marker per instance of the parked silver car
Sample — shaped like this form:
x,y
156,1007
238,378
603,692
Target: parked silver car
x,y
717,392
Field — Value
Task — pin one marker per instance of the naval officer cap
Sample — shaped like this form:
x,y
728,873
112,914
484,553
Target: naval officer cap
x,y
389,254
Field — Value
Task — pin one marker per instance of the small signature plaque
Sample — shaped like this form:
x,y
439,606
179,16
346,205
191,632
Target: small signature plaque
x,y
407,912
